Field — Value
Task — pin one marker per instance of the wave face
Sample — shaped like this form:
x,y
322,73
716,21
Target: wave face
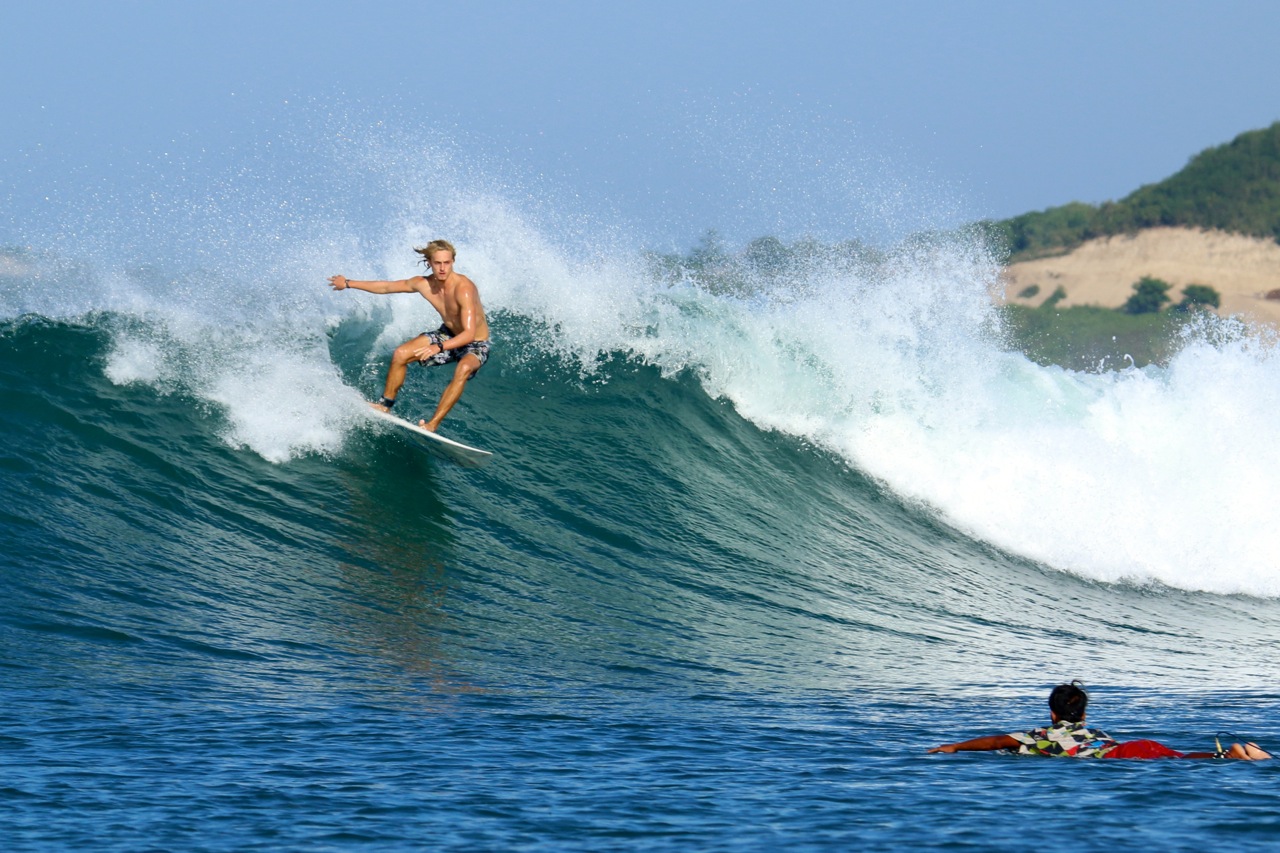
x,y
818,513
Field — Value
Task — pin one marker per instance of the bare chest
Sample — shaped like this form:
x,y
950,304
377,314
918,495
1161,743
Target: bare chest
x,y
445,302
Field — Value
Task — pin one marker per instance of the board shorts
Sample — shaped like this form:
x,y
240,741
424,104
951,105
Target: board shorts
x,y
480,349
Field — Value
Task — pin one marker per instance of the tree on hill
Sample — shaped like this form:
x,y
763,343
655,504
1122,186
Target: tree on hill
x,y
1059,294
1198,296
1149,296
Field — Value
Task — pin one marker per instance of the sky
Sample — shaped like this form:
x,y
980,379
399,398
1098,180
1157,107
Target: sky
x,y
828,119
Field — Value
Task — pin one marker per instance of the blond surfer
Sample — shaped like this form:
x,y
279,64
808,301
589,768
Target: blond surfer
x,y
463,336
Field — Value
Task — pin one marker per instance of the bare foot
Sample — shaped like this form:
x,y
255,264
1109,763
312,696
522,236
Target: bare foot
x,y
379,407
1255,752
428,427
1247,752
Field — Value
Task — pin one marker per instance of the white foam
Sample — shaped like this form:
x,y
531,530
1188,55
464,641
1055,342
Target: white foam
x,y
134,361
1154,475
284,407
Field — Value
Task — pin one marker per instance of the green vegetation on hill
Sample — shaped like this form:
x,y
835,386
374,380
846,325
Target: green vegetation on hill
x,y
1233,187
1091,338
1149,296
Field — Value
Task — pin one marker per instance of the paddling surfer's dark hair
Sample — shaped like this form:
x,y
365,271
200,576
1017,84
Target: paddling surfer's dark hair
x,y
1068,702
435,246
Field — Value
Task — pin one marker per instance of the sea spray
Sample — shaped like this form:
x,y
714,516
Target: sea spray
x,y
1158,475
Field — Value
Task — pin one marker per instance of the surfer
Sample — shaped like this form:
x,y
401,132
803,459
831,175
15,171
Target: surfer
x,y
463,337
1068,736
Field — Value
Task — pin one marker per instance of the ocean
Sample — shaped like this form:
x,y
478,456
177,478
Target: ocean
x,y
744,552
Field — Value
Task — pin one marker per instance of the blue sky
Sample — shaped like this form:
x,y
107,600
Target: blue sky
x,y
833,118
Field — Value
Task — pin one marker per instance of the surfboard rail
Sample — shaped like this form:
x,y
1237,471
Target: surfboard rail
x,y
446,448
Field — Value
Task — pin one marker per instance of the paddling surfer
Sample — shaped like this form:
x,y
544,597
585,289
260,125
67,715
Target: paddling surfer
x,y
1068,736
463,337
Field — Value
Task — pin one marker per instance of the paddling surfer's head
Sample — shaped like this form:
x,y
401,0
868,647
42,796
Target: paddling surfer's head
x,y
1067,702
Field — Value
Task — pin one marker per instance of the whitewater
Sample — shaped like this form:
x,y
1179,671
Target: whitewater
x,y
748,547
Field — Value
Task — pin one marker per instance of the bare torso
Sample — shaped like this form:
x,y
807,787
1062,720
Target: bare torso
x,y
457,300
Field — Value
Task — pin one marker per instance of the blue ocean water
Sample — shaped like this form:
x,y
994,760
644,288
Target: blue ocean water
x,y
742,557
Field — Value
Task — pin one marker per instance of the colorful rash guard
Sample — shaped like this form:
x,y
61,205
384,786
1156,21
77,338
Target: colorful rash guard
x,y
1063,739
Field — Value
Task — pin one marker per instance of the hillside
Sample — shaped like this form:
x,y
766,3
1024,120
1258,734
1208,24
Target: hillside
x,y
1233,188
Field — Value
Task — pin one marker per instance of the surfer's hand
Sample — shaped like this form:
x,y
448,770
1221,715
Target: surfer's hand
x,y
333,282
423,353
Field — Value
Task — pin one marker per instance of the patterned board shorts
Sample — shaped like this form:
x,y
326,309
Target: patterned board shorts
x,y
480,349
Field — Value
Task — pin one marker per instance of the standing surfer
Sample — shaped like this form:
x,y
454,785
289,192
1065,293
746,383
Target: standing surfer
x,y
463,337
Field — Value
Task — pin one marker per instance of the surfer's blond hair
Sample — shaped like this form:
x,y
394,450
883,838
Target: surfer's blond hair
x,y
436,246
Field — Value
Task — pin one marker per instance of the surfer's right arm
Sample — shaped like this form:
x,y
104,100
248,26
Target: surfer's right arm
x,y
341,282
979,744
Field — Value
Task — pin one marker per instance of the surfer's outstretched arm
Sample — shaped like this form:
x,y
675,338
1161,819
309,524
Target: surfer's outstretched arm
x,y
404,285
979,744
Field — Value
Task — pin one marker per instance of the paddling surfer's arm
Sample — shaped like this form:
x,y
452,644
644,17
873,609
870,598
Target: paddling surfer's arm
x,y
404,285
979,744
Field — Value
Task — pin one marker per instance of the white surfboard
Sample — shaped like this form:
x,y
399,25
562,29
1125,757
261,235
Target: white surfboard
x,y
454,451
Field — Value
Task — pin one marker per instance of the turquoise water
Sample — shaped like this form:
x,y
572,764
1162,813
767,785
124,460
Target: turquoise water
x,y
742,556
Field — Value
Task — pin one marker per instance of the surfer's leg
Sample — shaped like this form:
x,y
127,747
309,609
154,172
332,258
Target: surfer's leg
x,y
467,365
400,359
1252,751
1244,751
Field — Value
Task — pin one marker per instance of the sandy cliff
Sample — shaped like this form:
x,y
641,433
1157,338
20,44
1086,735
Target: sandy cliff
x,y
1102,272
